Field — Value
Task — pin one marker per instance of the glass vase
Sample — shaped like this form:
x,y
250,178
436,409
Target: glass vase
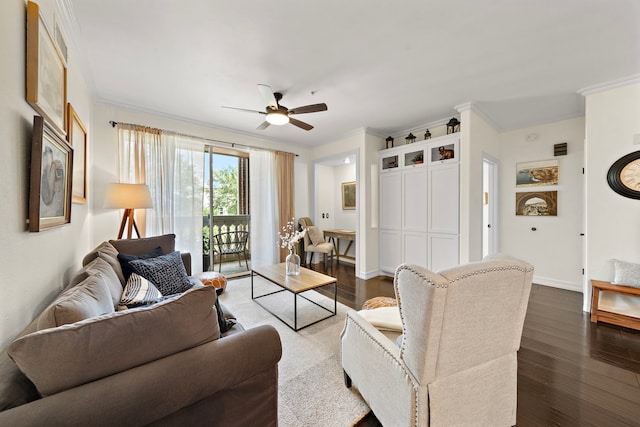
x,y
292,263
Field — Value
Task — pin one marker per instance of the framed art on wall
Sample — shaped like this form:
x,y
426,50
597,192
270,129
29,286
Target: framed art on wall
x,y
537,174
51,170
537,203
46,71
77,137
349,195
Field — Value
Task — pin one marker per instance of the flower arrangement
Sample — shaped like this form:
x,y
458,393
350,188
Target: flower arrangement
x,y
289,236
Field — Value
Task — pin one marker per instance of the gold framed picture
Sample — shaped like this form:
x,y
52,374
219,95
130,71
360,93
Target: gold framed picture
x,y
46,72
51,170
77,137
349,195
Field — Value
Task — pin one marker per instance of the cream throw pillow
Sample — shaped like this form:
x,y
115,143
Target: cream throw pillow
x,y
315,235
383,318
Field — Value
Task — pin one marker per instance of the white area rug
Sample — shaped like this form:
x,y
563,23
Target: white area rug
x,y
311,386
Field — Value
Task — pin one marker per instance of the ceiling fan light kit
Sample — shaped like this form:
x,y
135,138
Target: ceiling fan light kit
x,y
276,114
278,117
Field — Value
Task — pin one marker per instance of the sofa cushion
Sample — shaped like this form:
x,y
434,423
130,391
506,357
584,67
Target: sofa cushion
x,y
139,291
107,252
88,299
99,265
61,358
125,258
141,246
166,272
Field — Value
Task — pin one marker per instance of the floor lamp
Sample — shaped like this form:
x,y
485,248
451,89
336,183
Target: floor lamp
x,y
128,197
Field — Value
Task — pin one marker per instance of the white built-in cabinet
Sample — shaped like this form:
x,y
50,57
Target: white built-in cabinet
x,y
420,204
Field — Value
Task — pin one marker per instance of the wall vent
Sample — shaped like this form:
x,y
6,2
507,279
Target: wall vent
x,y
560,149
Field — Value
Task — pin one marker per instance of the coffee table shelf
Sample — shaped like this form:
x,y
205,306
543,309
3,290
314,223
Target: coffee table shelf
x,y
306,281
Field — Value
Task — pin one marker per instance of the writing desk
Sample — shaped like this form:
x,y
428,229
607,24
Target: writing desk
x,y
335,236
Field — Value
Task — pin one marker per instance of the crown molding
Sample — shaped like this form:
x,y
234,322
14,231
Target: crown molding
x,y
625,81
475,107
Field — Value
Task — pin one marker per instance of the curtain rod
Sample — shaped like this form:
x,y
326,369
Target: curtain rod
x,y
233,144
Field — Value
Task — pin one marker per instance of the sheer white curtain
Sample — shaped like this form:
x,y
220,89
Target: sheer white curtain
x,y
264,208
173,168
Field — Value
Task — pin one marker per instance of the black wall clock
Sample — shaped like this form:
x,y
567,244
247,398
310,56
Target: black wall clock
x,y
624,175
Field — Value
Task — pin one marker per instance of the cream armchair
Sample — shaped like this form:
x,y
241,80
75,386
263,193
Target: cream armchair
x,y
455,363
314,242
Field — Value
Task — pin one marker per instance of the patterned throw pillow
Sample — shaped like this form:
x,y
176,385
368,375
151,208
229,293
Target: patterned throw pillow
x,y
626,273
125,258
166,272
138,291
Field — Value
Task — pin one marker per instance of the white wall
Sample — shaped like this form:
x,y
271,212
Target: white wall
x,y
344,219
33,266
612,221
555,248
476,137
324,197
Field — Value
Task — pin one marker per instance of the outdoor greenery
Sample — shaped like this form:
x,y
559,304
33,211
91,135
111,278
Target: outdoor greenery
x,y
225,199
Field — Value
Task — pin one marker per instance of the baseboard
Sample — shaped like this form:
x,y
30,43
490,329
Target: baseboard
x,y
369,275
562,284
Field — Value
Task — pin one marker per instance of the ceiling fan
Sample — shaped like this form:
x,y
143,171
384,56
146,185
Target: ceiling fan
x,y
277,114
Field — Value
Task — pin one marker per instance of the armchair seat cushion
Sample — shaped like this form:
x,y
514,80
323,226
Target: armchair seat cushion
x,y
383,318
325,248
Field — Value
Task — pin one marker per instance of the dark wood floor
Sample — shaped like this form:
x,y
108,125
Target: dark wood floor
x,y
571,372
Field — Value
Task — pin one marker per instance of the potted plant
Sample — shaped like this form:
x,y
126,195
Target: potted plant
x,y
418,159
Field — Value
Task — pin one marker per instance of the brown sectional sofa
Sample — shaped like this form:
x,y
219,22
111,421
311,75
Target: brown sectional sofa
x,y
83,363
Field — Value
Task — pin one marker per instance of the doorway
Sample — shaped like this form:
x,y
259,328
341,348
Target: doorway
x,y
489,205
225,218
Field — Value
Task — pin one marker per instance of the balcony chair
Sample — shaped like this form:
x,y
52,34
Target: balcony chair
x,y
314,242
231,242
454,362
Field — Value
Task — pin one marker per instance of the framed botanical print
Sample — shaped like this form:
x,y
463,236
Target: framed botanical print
x,y
349,195
77,137
51,170
46,71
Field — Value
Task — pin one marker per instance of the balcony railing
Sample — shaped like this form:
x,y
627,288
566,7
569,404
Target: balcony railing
x,y
222,224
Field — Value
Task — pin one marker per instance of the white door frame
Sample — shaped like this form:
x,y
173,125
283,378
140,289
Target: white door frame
x,y
490,225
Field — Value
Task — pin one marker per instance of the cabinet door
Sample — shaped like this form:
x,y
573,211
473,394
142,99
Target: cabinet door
x,y
414,199
444,199
415,248
443,251
390,200
390,250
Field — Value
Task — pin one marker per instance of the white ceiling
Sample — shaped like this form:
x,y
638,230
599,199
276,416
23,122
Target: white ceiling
x,y
383,65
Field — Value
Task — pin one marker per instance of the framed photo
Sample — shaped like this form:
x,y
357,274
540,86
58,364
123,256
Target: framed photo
x,y
46,71
51,170
537,174
349,195
444,153
537,203
77,137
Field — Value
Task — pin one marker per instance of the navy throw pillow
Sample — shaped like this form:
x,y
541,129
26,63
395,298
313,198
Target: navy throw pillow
x,y
125,258
167,272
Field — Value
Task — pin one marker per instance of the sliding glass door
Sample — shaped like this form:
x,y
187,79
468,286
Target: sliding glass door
x,y
226,216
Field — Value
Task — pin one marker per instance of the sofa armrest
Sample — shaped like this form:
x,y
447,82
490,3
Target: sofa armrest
x,y
372,361
155,390
186,260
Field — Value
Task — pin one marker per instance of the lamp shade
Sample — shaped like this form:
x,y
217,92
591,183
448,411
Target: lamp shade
x,y
128,196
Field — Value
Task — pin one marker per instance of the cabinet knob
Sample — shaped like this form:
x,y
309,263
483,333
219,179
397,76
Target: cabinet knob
x,y
533,229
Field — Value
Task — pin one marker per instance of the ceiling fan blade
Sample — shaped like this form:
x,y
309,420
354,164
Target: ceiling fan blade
x,y
301,125
263,126
314,108
244,109
268,96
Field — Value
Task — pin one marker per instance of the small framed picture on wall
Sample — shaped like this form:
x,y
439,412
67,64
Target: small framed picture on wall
x,y
349,195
